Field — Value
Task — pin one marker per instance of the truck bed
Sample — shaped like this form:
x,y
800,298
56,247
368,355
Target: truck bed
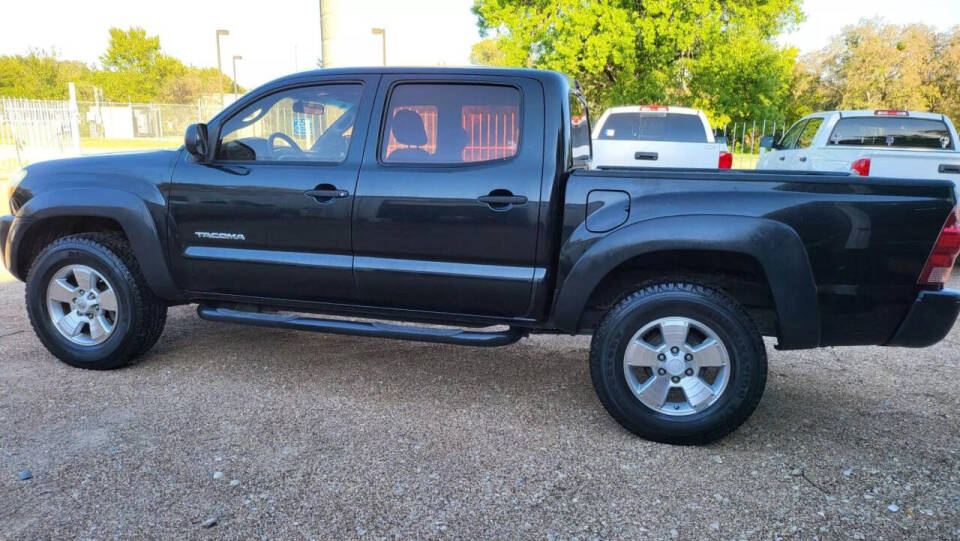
x,y
866,239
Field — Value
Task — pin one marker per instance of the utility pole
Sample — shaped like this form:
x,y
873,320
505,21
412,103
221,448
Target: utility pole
x,y
219,67
382,32
329,26
235,58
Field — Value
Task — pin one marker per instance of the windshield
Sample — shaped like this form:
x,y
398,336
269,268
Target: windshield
x,y
671,127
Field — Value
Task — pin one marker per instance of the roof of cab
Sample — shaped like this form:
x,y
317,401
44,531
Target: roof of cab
x,y
873,112
543,75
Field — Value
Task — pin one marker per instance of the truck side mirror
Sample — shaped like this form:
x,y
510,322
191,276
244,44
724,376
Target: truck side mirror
x,y
767,142
195,141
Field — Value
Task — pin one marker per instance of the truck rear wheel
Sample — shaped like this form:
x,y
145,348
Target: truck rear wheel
x,y
89,303
678,362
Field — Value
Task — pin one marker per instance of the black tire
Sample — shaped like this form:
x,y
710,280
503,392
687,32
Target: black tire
x,y
744,345
141,315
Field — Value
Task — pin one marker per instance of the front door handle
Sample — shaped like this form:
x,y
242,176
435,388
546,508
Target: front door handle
x,y
803,158
781,158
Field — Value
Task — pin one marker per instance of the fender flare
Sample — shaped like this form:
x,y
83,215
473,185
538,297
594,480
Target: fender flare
x,y
776,246
127,209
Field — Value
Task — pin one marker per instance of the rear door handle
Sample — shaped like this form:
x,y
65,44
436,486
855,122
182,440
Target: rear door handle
x,y
803,158
948,168
781,158
502,200
652,156
325,195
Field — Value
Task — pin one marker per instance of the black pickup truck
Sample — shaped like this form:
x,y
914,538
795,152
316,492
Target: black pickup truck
x,y
459,204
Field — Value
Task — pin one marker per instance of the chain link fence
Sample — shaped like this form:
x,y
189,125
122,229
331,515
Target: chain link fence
x,y
35,130
109,120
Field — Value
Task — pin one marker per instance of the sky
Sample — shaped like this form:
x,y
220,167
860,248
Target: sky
x,y
826,18
277,37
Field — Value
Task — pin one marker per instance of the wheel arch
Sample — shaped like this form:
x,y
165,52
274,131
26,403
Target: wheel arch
x,y
774,247
59,213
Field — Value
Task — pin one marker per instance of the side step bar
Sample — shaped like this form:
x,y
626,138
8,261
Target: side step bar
x,y
363,328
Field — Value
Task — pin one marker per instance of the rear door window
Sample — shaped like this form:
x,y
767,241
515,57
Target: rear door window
x,y
670,127
892,132
439,123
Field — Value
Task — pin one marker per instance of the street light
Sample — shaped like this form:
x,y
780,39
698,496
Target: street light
x,y
219,68
383,34
235,58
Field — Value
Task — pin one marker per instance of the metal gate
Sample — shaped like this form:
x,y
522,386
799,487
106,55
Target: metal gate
x,y
35,130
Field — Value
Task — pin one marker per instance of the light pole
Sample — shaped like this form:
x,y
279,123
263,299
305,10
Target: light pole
x,y
219,68
235,58
383,35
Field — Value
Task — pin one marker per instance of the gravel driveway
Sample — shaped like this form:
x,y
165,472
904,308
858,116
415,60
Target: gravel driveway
x,y
239,432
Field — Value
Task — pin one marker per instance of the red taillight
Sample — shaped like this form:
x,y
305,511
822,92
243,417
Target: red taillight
x,y
654,108
861,167
890,112
726,160
944,253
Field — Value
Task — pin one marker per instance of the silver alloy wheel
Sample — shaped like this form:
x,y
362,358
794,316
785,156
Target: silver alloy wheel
x,y
676,366
82,305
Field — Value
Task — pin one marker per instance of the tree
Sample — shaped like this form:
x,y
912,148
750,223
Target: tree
x,y
40,75
134,69
948,74
717,55
486,53
874,65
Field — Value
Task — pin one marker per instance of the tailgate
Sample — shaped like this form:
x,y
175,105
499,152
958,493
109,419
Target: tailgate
x,y
915,164
619,153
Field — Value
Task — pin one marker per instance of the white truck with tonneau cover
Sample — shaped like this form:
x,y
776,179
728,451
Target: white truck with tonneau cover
x,y
657,136
877,143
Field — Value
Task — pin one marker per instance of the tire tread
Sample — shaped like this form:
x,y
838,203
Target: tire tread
x,y
150,312
751,340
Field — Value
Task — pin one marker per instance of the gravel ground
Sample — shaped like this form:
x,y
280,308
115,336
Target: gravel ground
x,y
238,432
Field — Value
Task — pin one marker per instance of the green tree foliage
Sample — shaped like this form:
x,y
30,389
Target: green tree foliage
x,y
133,68
718,55
948,74
39,74
873,65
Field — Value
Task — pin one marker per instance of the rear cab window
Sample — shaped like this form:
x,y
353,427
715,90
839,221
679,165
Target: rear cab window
x,y
451,123
654,126
892,132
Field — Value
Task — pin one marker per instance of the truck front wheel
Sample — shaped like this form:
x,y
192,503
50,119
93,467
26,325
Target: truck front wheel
x,y
679,363
89,303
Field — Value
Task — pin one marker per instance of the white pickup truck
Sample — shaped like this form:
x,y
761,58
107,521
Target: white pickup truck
x,y
656,136
877,143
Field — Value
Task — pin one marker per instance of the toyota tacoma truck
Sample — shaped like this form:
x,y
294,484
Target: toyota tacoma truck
x,y
456,206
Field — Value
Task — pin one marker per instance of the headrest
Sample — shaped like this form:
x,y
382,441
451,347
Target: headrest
x,y
408,128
